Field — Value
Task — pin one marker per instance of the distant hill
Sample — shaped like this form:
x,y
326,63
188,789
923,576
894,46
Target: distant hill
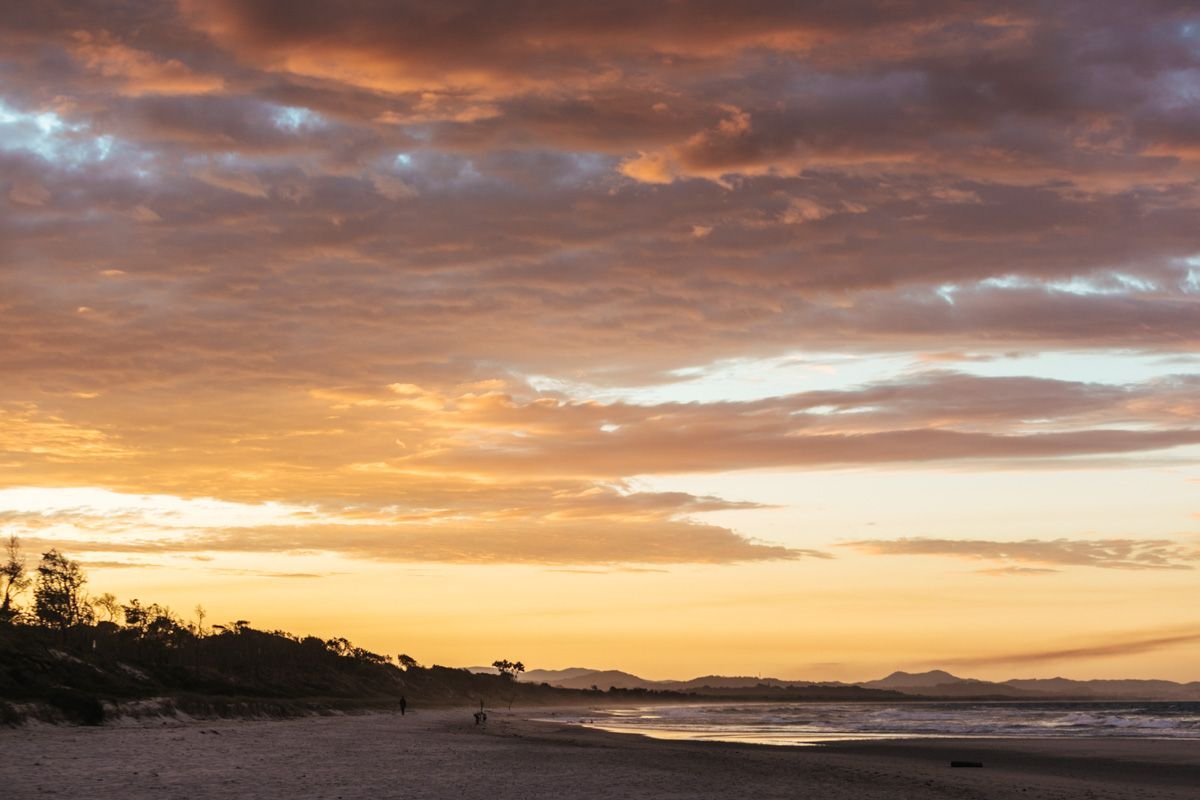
x,y
910,680
582,678
606,679
552,676
742,681
939,683
933,683
967,688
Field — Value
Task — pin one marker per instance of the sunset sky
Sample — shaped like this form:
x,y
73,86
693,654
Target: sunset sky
x,y
801,339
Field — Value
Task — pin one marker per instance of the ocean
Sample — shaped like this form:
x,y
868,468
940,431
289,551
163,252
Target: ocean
x,y
813,723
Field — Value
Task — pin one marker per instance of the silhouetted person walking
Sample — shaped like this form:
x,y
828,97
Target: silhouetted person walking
x,y
403,705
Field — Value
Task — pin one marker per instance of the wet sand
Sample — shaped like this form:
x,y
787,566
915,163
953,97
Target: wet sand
x,y
442,754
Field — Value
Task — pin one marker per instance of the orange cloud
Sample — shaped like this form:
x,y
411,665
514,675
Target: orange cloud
x,y
138,71
592,525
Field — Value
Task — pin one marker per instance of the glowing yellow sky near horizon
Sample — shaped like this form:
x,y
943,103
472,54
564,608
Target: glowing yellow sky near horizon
x,y
803,621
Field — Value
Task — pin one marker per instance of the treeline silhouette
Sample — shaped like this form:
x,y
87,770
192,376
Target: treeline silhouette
x,y
85,657
67,655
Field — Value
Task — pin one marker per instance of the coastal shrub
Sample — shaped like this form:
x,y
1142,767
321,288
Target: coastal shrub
x,y
10,716
78,707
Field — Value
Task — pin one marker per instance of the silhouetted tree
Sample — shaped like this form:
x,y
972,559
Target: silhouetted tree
x,y
135,615
342,646
367,657
160,636
339,646
406,661
58,597
509,669
152,621
107,603
13,580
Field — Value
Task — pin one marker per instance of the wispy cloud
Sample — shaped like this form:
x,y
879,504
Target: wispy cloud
x,y
1131,645
1018,571
601,527
1135,554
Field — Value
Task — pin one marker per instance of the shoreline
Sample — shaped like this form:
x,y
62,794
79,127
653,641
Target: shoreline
x,y
812,725
1165,750
1097,767
440,753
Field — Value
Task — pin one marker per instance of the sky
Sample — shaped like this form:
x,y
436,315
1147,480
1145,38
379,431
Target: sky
x,y
812,340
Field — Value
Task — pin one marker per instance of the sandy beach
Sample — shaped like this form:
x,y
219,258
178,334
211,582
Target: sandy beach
x,y
442,754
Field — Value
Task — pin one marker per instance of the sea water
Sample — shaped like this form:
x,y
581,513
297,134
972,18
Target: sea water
x,y
811,723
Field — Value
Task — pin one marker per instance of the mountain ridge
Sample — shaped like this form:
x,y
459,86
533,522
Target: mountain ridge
x,y
935,683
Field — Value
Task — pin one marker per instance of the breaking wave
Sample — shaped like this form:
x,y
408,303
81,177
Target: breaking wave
x,y
807,723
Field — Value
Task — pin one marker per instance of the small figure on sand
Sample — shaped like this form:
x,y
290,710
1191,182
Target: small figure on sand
x,y
403,704
480,715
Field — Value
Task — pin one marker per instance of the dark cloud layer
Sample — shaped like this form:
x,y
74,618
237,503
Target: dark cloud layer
x,y
226,228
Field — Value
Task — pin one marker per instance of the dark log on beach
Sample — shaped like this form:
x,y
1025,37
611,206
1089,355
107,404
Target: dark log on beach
x,y
966,763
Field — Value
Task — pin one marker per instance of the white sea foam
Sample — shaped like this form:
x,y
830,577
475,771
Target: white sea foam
x,y
806,723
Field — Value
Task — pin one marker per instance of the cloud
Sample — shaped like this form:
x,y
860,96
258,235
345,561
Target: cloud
x,y
1018,571
111,564
229,227
514,542
249,184
272,574
29,432
402,48
29,194
648,168
476,473
1131,554
501,442
1133,645
583,526
910,85
140,72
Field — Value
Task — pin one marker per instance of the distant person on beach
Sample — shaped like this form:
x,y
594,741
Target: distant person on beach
x,y
403,705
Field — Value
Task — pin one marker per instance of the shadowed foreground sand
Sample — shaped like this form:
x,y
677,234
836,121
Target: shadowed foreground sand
x,y
441,754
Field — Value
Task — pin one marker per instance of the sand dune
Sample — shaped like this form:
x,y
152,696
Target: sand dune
x,y
441,754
